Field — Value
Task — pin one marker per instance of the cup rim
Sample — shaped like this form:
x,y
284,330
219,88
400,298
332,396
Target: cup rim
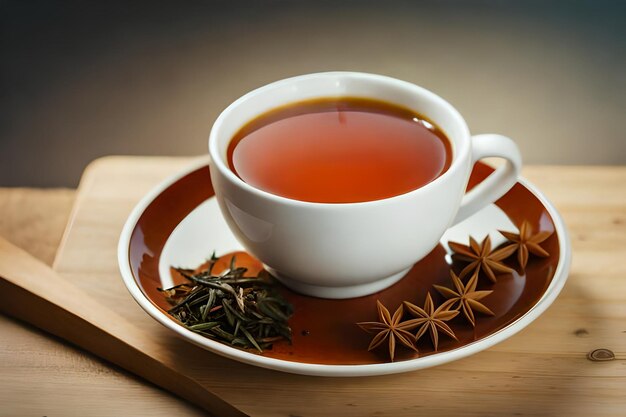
x,y
462,148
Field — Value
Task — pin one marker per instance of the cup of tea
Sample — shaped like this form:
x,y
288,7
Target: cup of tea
x,y
339,182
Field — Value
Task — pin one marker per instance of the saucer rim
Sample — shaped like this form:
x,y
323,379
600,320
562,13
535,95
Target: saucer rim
x,y
552,291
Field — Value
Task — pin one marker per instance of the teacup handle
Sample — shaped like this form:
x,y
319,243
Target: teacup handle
x,y
499,182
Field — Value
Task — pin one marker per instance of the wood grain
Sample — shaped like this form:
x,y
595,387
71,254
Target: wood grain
x,y
34,219
43,375
31,291
543,370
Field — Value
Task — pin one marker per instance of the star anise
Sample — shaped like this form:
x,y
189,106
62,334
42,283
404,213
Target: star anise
x,y
390,328
481,258
526,242
466,296
432,320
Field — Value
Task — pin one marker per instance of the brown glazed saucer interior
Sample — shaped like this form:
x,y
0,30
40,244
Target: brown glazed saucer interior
x,y
324,331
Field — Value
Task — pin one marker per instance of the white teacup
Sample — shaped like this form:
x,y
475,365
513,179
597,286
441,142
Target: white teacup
x,y
353,249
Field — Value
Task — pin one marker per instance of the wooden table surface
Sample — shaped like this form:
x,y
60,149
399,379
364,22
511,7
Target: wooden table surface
x,y
41,375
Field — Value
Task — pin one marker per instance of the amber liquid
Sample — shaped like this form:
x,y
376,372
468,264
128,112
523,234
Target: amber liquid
x,y
339,150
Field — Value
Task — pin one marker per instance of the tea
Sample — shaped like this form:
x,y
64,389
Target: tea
x,y
339,150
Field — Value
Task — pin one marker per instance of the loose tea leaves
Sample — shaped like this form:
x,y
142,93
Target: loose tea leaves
x,y
238,310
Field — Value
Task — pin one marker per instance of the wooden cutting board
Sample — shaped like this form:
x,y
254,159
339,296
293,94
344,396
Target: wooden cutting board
x,y
543,370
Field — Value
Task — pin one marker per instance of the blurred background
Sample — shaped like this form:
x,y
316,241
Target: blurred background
x,y
83,79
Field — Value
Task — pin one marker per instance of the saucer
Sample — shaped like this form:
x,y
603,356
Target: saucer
x,y
178,224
